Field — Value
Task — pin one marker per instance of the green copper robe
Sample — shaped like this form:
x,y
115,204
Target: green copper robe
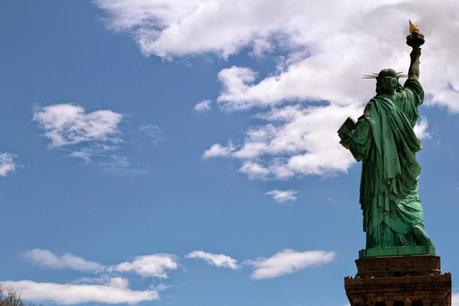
x,y
384,141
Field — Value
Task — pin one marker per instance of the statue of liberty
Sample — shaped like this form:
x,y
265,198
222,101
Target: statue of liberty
x,y
384,140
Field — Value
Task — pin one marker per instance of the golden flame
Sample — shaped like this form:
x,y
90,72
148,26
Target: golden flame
x,y
414,28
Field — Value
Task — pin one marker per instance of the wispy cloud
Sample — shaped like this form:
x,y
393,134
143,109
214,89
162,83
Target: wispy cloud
x,y
85,135
217,260
7,163
121,164
282,196
116,291
69,124
90,136
67,261
153,132
155,265
288,261
203,106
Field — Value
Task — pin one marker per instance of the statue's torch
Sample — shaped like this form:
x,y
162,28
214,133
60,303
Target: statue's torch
x,y
416,38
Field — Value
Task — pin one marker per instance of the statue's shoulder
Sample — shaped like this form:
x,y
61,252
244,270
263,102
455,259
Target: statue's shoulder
x,y
375,105
374,101
413,85
370,107
415,90
412,82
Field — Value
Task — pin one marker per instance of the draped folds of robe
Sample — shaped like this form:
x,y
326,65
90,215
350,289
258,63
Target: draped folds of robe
x,y
385,142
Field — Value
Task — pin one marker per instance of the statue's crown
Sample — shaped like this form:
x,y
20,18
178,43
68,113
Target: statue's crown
x,y
388,72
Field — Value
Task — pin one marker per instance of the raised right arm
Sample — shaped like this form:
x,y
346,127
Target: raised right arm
x,y
413,71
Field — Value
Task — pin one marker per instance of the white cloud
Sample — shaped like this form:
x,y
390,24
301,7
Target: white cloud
x,y
294,140
420,129
69,124
203,106
218,150
67,261
7,164
90,136
254,170
104,288
288,261
321,60
115,292
236,82
455,299
118,282
338,49
217,260
282,196
173,27
155,265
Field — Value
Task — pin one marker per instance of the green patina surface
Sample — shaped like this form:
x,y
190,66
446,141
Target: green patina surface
x,y
383,139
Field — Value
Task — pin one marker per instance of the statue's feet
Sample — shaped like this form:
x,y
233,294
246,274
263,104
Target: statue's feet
x,y
421,236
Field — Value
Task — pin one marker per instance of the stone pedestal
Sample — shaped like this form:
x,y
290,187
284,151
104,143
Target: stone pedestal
x,y
399,281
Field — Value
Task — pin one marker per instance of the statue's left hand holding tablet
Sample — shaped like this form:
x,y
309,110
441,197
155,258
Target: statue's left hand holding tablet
x,y
344,131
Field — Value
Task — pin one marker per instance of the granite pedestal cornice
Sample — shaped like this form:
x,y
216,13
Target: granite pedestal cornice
x,y
393,281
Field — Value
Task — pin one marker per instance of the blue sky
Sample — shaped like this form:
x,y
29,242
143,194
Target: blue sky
x,y
184,152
